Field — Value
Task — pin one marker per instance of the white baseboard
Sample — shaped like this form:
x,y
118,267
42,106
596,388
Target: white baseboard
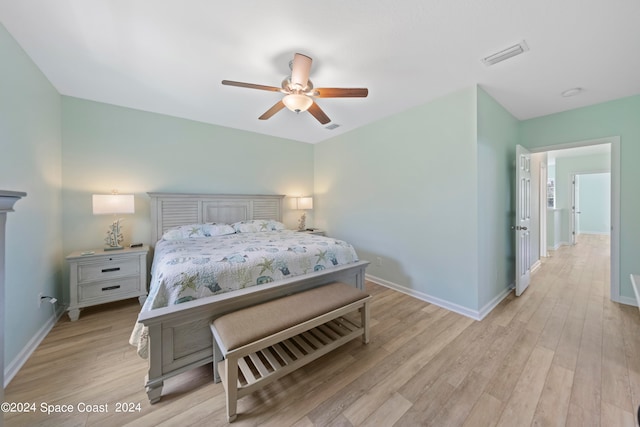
x,y
536,265
556,247
630,300
456,308
494,302
627,301
635,282
12,368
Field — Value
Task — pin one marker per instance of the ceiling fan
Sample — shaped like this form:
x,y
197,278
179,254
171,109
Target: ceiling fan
x,y
300,91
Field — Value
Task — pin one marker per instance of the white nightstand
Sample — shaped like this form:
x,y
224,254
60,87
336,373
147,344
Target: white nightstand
x,y
316,231
105,276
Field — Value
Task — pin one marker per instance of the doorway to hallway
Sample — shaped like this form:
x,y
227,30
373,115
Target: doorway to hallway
x,y
558,217
591,201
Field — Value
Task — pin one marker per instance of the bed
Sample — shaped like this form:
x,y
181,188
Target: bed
x,y
173,326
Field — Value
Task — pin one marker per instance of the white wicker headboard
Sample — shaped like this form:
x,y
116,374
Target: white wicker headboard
x,y
173,209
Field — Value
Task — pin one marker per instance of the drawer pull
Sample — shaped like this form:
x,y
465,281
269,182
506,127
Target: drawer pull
x,y
107,270
110,288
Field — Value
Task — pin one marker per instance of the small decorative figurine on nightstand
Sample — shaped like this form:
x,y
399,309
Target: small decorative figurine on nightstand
x,y
302,222
114,236
303,203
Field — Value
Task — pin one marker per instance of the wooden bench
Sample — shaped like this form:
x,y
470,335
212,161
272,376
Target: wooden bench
x,y
267,341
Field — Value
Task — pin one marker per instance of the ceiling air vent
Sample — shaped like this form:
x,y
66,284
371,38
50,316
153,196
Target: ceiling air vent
x,y
507,53
332,126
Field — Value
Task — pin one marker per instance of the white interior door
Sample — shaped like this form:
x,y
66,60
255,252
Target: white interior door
x,y
523,219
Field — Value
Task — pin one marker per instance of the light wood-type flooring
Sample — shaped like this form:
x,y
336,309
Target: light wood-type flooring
x,y
561,354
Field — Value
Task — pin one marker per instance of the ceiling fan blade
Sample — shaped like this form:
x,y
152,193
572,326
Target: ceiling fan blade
x,y
251,86
300,69
317,112
271,111
336,92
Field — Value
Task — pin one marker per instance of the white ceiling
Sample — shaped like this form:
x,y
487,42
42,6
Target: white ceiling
x,y
170,56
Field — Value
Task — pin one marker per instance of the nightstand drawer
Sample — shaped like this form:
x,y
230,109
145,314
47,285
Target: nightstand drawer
x,y
107,289
108,269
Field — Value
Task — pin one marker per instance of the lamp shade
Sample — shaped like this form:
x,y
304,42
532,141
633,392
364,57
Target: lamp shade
x,y
304,203
297,102
113,204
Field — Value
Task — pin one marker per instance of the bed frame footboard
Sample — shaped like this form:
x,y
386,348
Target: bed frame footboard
x,y
180,337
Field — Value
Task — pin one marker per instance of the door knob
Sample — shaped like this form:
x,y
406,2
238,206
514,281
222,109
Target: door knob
x,y
521,228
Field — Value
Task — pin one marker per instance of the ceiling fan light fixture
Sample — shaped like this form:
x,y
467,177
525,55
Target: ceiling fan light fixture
x,y
299,92
297,102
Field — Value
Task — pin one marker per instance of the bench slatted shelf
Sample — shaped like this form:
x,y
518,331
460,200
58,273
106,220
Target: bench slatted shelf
x,y
292,331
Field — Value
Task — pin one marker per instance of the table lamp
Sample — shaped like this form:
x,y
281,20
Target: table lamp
x,y
114,204
303,203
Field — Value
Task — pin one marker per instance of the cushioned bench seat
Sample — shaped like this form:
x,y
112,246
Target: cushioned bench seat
x,y
266,341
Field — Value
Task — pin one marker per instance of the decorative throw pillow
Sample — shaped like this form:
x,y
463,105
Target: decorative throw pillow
x,y
197,230
257,225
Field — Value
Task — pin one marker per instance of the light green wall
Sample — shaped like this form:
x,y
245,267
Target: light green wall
x,y
404,190
497,139
554,229
107,147
565,167
595,202
615,118
30,152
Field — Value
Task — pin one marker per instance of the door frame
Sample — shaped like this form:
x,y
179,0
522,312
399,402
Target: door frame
x,y
573,219
573,191
542,208
614,254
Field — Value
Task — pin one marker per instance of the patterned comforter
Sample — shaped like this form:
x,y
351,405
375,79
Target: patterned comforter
x,y
187,269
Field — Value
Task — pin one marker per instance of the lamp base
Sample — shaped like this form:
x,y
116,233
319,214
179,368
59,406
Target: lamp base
x,y
113,248
302,222
114,237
